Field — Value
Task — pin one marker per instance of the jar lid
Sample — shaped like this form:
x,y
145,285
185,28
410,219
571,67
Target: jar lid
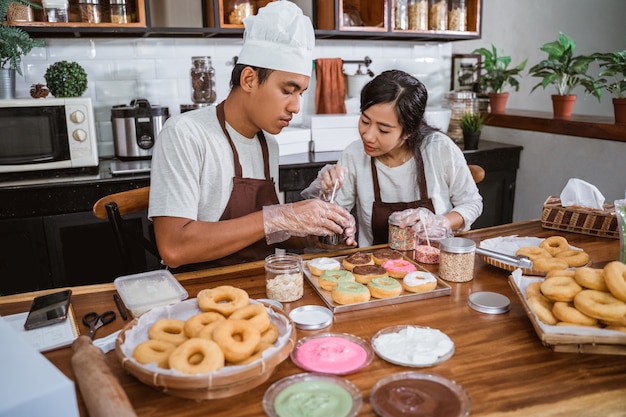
x,y
489,302
311,317
457,245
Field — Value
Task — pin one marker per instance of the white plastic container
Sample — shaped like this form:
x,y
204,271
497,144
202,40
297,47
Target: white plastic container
x,y
142,292
56,11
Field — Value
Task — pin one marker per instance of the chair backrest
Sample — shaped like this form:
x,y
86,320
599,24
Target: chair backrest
x,y
112,207
478,173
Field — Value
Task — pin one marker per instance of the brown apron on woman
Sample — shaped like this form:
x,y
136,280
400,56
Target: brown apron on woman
x,y
381,210
248,195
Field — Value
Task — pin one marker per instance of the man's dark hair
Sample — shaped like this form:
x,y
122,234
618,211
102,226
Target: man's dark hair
x,y
262,73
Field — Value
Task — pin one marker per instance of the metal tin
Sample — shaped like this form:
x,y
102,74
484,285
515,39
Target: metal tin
x,y
311,317
489,302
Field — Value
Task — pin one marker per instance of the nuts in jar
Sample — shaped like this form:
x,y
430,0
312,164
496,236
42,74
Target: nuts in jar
x,y
284,281
456,259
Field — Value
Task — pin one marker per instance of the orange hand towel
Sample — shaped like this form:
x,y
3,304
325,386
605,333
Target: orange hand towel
x,y
330,91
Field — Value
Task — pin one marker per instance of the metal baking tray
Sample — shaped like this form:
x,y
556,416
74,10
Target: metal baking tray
x,y
441,290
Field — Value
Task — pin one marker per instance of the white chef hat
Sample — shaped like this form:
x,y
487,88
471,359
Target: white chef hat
x,y
279,37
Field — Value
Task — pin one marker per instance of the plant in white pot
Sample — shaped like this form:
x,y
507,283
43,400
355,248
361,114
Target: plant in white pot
x,y
14,44
564,71
613,66
495,75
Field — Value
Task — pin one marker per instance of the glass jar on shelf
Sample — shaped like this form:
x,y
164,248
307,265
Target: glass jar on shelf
x,y
89,11
438,14
459,102
418,14
119,12
202,80
401,19
239,10
457,16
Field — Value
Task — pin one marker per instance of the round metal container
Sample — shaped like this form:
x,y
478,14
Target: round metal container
x,y
489,302
311,317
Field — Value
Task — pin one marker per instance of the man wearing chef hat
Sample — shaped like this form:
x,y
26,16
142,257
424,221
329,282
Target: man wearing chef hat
x,y
213,196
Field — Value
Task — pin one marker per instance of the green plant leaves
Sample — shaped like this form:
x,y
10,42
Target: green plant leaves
x,y
66,79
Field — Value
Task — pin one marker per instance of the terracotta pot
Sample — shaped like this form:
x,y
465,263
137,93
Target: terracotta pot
x,y
619,110
470,140
562,106
497,102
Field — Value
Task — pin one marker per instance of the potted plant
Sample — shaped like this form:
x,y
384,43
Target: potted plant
x,y
14,43
565,71
471,124
66,79
495,74
613,66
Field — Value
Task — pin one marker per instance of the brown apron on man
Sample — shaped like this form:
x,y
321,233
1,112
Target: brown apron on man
x,y
381,210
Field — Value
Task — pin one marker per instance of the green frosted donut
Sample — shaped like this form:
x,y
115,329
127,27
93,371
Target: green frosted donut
x,y
329,279
350,292
384,287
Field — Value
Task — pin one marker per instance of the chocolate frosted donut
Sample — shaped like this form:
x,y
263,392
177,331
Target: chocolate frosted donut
x,y
364,273
382,255
357,258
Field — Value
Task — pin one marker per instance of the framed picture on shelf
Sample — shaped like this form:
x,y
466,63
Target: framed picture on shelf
x,y
465,72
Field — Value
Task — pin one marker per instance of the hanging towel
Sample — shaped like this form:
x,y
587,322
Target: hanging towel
x,y
330,91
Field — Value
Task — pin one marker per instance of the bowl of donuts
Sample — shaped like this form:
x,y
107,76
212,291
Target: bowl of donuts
x,y
217,345
550,254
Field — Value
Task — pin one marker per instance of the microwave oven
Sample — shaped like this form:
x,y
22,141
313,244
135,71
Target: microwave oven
x,y
47,134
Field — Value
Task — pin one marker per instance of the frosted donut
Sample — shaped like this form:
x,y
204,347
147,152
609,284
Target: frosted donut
x,y
270,335
364,273
560,288
349,293
533,252
555,244
398,268
560,273
224,299
194,324
237,338
615,278
533,289
318,265
154,351
590,278
168,330
357,258
418,281
384,287
542,307
197,356
381,255
549,264
568,313
256,314
329,279
573,257
599,304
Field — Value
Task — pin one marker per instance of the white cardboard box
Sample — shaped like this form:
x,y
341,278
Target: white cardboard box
x,y
333,132
328,121
30,385
293,140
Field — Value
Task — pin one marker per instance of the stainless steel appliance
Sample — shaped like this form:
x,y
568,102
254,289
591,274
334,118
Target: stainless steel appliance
x,y
135,128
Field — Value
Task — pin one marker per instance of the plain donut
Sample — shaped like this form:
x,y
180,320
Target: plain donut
x,y
615,278
224,299
560,288
555,244
599,304
168,330
197,356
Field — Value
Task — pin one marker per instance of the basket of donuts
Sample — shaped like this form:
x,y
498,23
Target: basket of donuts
x,y
369,279
552,253
217,345
581,310
582,220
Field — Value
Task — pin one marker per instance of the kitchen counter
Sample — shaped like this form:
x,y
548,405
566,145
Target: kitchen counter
x,y
499,359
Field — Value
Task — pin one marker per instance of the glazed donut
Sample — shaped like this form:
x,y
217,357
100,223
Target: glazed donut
x,y
257,354
554,244
533,252
194,324
227,335
350,292
154,351
600,305
568,313
560,273
364,273
168,330
270,335
427,254
418,281
615,278
590,278
384,287
398,268
560,288
224,299
256,314
573,257
357,258
542,307
197,356
381,255
329,279
318,265
549,264
533,289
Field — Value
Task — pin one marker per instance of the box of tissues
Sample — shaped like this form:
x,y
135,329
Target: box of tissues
x,y
577,219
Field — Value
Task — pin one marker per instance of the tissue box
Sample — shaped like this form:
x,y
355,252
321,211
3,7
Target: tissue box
x,y
579,219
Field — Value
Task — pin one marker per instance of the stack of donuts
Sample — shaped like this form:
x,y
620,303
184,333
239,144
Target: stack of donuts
x,y
553,254
582,297
229,331
379,274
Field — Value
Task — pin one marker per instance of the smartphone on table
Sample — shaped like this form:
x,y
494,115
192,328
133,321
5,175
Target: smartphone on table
x,y
48,309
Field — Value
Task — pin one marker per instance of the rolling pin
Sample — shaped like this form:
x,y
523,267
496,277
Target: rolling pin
x,y
100,389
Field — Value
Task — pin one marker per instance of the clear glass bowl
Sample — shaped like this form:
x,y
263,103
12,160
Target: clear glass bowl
x,y
420,339
332,353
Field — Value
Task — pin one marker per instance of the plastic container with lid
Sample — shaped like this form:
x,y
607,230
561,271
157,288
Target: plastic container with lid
x,y
418,14
55,10
459,102
438,14
90,11
284,279
119,12
457,16
202,80
239,10
400,238
145,291
456,259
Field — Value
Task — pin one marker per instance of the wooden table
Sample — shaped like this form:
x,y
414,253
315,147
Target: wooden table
x,y
499,359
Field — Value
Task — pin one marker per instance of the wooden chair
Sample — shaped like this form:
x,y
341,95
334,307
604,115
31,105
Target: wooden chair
x,y
478,173
112,207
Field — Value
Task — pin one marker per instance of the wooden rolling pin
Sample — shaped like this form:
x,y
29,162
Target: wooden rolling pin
x,y
100,389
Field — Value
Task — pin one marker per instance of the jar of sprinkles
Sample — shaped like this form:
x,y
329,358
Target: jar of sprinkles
x,y
400,238
456,259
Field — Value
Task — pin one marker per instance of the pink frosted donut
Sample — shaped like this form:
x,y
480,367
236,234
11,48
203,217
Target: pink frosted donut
x,y
398,268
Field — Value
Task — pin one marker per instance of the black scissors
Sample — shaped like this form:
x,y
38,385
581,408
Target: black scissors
x,y
94,320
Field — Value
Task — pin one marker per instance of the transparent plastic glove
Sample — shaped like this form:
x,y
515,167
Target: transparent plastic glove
x,y
322,186
308,217
410,217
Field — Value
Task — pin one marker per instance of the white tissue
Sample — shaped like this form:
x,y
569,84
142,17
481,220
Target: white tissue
x,y
581,193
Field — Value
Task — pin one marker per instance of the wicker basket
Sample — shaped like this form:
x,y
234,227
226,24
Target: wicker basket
x,y
579,219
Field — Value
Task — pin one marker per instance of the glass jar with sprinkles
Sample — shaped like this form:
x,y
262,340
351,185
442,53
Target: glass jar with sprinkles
x,y
456,259
401,237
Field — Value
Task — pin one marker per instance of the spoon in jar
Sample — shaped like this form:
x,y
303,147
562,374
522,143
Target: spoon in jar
x,y
332,196
422,220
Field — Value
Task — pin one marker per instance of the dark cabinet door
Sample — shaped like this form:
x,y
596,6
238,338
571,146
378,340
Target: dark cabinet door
x,y
23,256
498,192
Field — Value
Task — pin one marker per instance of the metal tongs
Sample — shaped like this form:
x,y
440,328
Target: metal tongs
x,y
520,261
